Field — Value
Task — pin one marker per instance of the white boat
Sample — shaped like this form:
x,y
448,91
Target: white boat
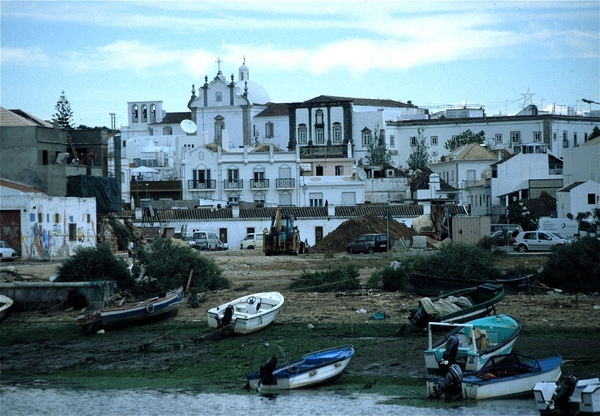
x,y
314,369
502,376
470,345
5,304
570,397
246,314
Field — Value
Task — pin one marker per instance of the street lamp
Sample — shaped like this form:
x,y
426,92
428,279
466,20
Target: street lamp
x,y
590,102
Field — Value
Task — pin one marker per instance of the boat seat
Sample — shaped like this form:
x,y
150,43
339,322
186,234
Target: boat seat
x,y
240,308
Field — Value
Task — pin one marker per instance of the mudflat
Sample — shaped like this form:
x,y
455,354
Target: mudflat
x,y
182,352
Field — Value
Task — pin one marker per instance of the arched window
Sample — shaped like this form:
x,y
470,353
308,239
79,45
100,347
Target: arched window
x,y
302,134
366,137
269,130
167,131
219,127
134,113
144,113
153,113
337,132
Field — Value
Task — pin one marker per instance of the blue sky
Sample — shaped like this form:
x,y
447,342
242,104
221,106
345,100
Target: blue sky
x,y
106,53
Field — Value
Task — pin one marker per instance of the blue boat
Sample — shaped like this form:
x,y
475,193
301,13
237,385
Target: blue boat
x,y
470,345
502,376
314,369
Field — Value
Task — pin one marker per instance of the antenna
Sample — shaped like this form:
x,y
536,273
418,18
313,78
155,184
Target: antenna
x,y
188,126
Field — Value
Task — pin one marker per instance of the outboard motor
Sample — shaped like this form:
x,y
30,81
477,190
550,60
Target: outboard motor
x,y
451,385
227,316
449,356
266,371
564,392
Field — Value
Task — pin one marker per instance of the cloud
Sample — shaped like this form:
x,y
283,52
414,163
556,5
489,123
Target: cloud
x,y
24,57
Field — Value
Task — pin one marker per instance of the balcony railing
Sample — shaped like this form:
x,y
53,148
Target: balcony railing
x,y
259,183
233,184
196,184
285,183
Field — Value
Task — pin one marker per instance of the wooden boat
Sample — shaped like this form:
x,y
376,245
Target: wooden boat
x,y
158,307
569,397
425,285
502,376
470,345
458,306
5,304
314,369
246,314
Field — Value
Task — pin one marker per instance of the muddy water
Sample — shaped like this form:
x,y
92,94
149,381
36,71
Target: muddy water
x,y
27,401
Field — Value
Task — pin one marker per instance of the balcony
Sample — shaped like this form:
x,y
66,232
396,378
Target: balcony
x,y
202,185
258,184
233,184
285,183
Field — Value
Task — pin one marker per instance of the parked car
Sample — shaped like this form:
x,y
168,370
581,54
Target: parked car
x,y
498,237
537,241
252,241
368,243
6,252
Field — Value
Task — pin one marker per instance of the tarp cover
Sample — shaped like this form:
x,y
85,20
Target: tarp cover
x,y
105,189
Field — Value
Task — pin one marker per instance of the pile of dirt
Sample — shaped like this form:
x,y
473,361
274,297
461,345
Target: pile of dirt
x,y
350,230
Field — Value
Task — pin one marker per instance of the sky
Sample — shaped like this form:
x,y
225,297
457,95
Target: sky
x,y
102,54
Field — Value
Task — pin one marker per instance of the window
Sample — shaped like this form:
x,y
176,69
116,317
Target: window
x,y
134,113
554,136
144,113
56,218
413,141
498,137
233,200
591,199
316,199
302,134
393,140
269,130
319,118
565,138
366,137
44,157
232,174
339,170
72,232
89,218
337,133
320,135
537,136
574,139
40,217
167,130
515,137
434,140
218,96
319,171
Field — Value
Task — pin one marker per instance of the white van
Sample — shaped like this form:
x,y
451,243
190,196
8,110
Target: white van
x,y
252,241
207,240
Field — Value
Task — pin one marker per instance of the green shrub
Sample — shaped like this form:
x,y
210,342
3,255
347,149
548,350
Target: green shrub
x,y
168,266
574,267
458,261
338,279
122,233
390,279
95,264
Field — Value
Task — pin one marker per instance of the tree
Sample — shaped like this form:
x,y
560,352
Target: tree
x,y
63,115
377,151
519,214
595,133
419,158
466,137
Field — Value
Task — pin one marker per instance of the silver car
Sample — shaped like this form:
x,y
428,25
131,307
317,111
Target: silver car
x,y
6,252
537,241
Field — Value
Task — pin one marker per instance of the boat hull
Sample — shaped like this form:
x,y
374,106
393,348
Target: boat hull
x,y
150,309
501,330
585,399
425,285
485,298
246,318
310,371
5,305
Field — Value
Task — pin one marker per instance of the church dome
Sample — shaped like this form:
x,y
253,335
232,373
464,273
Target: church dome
x,y
256,93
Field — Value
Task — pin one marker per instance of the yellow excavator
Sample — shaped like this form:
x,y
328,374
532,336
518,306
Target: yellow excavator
x,y
283,237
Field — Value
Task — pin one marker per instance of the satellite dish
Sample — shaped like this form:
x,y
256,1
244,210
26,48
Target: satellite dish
x,y
362,175
188,126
